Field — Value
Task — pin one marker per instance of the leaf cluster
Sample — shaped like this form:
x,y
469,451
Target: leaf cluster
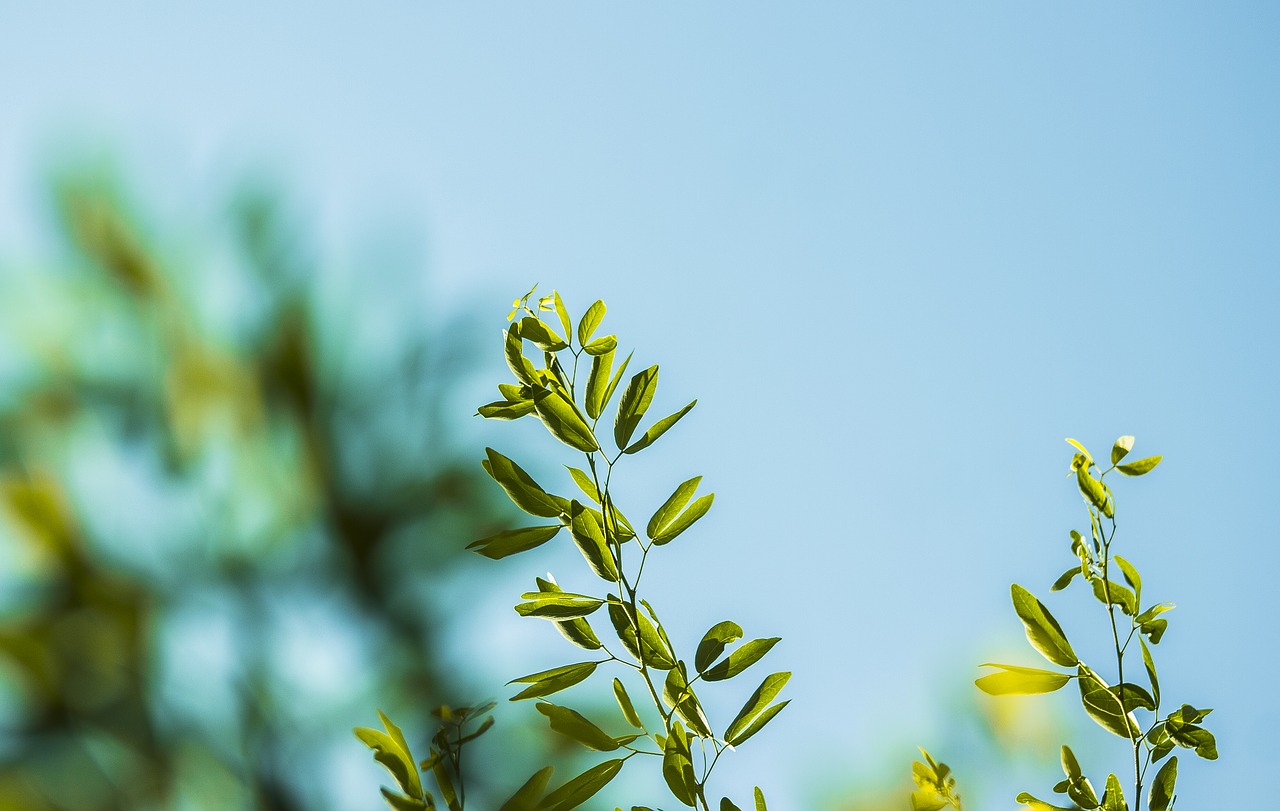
x,y
1117,707
607,616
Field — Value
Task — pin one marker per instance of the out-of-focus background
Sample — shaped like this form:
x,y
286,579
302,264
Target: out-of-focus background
x,y
254,261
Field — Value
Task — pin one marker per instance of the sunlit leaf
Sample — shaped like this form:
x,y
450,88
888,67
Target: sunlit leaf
x,y
1103,707
1039,805
1015,680
625,704
601,346
1150,665
1113,797
713,643
392,751
505,410
1140,467
527,796
590,320
541,335
633,405
588,536
1121,449
514,541
1132,578
649,647
1118,595
562,313
551,681
741,659
598,384
563,419
516,361
685,520
1043,631
1162,786
658,429
573,725
560,606
521,488
756,709
581,788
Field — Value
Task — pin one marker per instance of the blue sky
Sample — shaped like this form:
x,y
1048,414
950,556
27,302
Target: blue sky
x,y
898,252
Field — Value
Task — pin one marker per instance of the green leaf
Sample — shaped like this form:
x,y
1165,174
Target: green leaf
x,y
1039,805
1132,578
1095,492
521,488
1153,612
677,771
562,313
1113,797
1133,697
601,346
713,643
392,751
589,322
756,709
672,506
597,383
588,535
541,335
1043,631
528,795
927,800
624,703
1020,681
658,429
1140,467
1119,595
613,382
1088,456
635,402
1150,665
685,520
650,649
514,541
727,805
552,681
563,419
578,631
1191,736
505,410
741,659
1162,787
1065,580
581,788
759,795
1121,449
402,803
1070,766
585,483
514,351
680,697
561,606
1103,707
572,725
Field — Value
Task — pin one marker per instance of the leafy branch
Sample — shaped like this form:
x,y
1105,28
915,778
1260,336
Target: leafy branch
x,y
1114,707
674,728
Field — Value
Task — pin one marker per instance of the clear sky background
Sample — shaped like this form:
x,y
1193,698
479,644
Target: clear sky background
x,y
897,250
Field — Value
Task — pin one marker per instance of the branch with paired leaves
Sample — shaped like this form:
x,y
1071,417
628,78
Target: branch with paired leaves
x,y
670,726
1115,707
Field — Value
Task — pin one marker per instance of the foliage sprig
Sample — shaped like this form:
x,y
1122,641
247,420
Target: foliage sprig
x,y
1115,707
671,725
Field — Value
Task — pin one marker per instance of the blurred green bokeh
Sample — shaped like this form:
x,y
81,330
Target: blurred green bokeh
x,y
223,524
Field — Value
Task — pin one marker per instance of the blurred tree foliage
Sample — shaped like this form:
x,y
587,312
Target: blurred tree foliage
x,y
223,526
